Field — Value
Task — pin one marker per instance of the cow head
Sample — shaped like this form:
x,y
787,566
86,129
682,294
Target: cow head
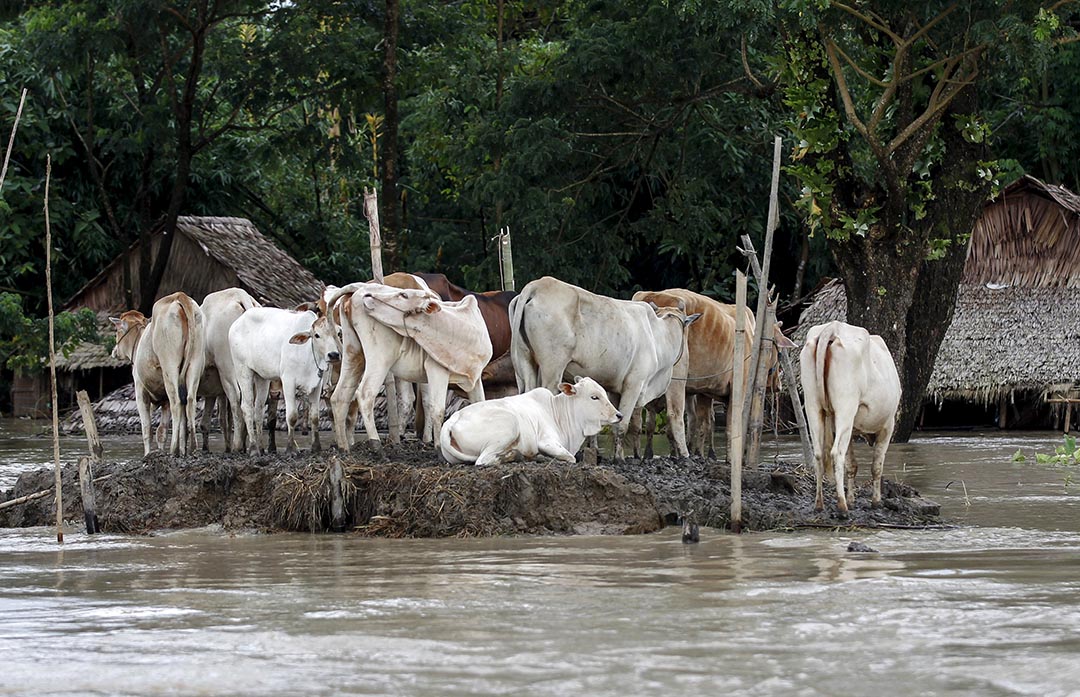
x,y
590,403
324,342
129,327
389,305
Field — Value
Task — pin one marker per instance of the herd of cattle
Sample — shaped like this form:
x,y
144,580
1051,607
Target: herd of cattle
x,y
670,350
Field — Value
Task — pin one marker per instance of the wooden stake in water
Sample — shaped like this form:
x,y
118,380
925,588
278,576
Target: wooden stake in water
x,y
52,359
86,492
90,426
737,384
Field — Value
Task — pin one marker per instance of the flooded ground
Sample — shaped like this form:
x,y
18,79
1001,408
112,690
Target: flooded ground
x,y
989,608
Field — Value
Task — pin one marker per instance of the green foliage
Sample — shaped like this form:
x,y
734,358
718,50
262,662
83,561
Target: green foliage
x,y
1067,454
24,340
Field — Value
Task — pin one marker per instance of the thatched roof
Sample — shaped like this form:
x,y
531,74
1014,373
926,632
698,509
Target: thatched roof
x,y
268,273
218,253
1029,236
88,355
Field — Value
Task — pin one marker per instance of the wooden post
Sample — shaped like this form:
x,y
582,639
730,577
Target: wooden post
x,y
506,260
1003,412
1068,416
52,359
337,495
763,279
757,397
90,426
86,490
26,499
371,212
737,383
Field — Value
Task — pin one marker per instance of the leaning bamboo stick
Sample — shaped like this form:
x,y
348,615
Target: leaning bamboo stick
x,y
737,383
11,140
25,499
52,359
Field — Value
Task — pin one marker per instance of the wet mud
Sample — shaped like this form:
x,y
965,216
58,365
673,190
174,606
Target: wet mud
x,y
407,492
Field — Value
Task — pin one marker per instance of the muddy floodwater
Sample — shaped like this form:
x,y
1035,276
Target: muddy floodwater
x,y
991,607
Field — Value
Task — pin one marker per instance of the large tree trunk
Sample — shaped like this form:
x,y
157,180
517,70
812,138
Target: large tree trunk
x,y
389,208
896,288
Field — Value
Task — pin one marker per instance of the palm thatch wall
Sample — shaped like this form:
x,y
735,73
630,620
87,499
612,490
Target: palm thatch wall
x,y
1017,322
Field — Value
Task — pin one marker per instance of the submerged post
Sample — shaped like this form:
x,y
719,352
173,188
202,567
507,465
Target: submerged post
x,y
86,491
337,495
736,406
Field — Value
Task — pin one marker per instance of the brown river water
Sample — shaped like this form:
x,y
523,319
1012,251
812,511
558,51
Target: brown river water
x,y
991,607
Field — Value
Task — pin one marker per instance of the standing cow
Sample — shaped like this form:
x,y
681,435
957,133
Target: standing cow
x,y
709,342
167,353
528,425
220,309
295,347
850,385
413,335
631,348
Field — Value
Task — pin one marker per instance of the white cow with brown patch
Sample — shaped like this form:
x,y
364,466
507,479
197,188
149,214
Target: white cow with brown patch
x,y
528,425
850,385
167,352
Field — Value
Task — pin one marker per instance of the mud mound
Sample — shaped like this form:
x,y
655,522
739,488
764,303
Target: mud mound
x,y
407,492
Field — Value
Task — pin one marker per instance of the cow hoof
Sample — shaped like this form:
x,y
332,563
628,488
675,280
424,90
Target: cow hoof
x,y
842,515
648,453
875,504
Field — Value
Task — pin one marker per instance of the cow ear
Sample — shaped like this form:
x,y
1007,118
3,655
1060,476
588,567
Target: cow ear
x,y
577,379
654,306
432,308
300,338
567,389
682,305
116,321
690,319
782,342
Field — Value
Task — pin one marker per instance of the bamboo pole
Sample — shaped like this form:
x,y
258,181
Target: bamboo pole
x,y
371,212
11,140
763,279
26,499
506,260
90,426
757,397
737,383
52,359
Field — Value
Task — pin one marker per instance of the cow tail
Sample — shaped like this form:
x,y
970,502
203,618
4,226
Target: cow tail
x,y
521,352
190,327
821,358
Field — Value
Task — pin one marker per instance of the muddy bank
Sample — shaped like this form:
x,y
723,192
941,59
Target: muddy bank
x,y
407,492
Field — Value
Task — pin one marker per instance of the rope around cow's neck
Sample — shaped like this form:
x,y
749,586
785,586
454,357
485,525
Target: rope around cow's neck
x,y
138,336
315,357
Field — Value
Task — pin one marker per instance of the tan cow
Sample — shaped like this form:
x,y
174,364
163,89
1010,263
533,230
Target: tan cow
x,y
710,343
851,386
167,353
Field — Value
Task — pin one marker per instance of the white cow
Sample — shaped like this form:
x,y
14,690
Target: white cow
x,y
528,425
167,352
220,310
412,334
294,347
850,385
629,347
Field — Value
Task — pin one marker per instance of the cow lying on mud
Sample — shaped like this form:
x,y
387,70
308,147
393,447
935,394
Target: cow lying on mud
x,y
527,425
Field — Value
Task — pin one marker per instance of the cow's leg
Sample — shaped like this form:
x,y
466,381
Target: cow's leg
x,y
423,419
271,421
633,431
248,401
343,400
842,420
628,402
313,418
708,425
163,426
176,410
851,468
375,372
650,429
816,424
142,402
881,446
553,448
292,413
438,384
194,375
675,401
418,409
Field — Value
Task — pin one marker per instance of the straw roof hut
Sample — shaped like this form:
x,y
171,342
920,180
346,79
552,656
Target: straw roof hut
x,y
1016,330
208,254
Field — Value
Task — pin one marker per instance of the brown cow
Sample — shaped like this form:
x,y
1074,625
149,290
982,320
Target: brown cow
x,y
710,342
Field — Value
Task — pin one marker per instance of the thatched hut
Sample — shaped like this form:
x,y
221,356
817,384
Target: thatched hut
x,y
1015,335
208,254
